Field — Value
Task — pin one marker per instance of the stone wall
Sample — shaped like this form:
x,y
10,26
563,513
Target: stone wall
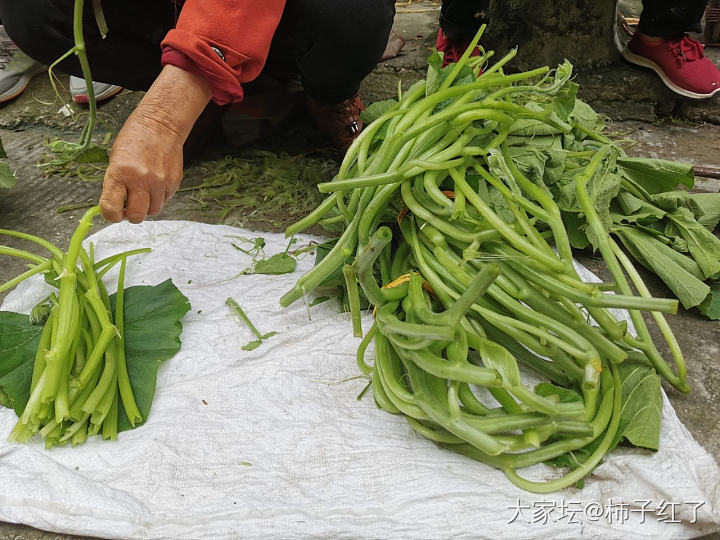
x,y
547,31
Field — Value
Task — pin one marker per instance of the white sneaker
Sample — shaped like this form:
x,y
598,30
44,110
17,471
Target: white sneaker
x,y
16,68
103,91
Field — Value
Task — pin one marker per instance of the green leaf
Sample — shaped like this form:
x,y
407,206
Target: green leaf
x,y
435,61
153,326
629,203
584,115
280,263
680,273
554,166
656,175
565,99
376,110
252,345
671,200
640,415
529,127
602,188
93,154
7,178
565,395
709,203
575,227
632,209
497,357
704,246
258,244
641,411
711,305
6,400
500,205
19,340
530,161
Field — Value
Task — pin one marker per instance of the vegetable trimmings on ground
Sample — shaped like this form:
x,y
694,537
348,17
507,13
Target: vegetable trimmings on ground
x,y
258,184
460,205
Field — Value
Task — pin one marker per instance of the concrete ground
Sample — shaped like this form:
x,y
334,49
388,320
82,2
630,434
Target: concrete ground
x,y
640,107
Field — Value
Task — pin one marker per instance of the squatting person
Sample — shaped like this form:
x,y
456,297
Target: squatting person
x,y
188,54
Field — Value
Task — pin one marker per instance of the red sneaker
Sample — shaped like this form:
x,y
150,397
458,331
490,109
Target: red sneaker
x,y
681,64
452,50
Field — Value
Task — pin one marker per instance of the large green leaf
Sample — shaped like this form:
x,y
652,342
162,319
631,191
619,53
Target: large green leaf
x,y
575,226
704,246
18,342
565,99
584,116
711,306
680,273
709,203
640,415
641,412
153,325
671,200
656,175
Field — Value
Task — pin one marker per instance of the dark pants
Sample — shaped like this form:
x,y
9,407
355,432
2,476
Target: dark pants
x,y
669,18
332,45
460,19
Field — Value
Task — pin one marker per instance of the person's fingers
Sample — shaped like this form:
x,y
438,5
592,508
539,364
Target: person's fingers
x,y
112,199
157,199
138,203
170,193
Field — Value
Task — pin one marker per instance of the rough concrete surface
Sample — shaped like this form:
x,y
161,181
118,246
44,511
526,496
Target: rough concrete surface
x,y
639,106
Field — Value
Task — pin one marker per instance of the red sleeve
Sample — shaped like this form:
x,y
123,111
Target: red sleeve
x,y
225,41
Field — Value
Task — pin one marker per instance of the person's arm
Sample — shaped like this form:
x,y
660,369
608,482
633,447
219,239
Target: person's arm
x,y
146,162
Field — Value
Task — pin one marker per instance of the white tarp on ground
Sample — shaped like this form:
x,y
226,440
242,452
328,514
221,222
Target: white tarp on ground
x,y
270,444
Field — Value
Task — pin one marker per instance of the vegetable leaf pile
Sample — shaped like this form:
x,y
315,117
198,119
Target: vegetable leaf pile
x,y
667,230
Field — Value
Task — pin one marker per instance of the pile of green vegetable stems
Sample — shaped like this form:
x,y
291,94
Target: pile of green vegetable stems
x,y
79,373
465,295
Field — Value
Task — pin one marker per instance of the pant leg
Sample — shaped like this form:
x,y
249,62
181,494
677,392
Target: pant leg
x,y
130,54
332,44
461,19
669,18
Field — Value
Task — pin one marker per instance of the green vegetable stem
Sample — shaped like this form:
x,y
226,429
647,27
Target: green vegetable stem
x,y
79,374
462,202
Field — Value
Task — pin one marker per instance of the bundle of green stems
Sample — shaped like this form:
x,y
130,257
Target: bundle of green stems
x,y
466,299
79,375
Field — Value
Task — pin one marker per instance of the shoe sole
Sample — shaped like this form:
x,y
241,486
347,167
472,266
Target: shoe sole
x,y
82,99
20,86
644,62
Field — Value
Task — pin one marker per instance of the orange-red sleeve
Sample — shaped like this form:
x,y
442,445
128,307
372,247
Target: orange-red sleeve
x,y
225,41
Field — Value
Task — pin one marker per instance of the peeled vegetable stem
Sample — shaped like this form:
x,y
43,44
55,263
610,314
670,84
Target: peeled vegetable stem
x,y
79,374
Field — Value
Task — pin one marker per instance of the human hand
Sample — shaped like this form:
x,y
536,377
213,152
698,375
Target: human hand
x,y
146,163
145,169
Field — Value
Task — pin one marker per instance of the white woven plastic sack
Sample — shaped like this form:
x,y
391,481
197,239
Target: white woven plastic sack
x,y
272,443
